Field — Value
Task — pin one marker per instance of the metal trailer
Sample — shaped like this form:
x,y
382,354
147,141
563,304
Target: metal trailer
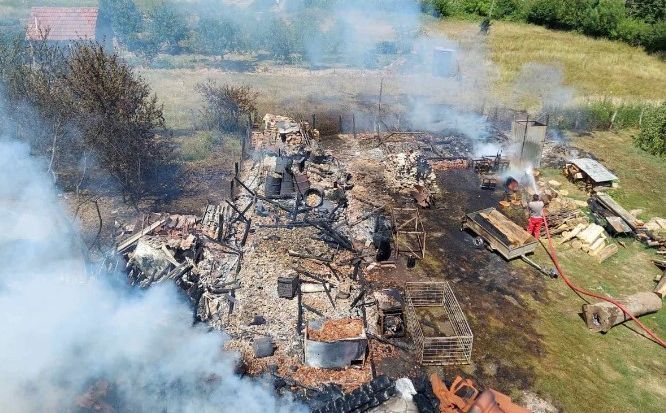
x,y
492,236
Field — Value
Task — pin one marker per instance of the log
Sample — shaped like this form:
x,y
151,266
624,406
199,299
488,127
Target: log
x,y
574,232
603,316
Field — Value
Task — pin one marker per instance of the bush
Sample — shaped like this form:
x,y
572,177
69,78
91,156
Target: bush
x,y
217,36
227,107
601,18
500,9
280,40
649,11
545,13
652,136
656,38
633,32
438,8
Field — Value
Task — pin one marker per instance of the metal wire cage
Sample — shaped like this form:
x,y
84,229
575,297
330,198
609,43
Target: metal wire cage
x,y
441,349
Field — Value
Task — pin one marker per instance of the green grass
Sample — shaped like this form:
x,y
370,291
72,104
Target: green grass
x,y
204,145
584,371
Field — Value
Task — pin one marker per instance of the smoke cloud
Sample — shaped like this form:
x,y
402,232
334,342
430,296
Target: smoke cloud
x,y
74,343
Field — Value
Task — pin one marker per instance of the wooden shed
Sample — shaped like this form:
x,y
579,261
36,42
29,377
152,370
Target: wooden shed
x,y
589,172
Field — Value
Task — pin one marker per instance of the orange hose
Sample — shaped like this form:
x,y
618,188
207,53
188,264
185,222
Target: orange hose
x,y
553,256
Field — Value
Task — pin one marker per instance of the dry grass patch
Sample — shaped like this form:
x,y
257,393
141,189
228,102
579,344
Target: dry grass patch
x,y
594,67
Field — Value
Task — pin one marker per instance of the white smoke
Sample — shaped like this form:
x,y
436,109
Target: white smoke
x,y
62,331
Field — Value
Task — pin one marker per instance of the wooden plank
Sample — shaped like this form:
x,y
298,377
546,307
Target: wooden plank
x,y
619,210
514,233
660,289
607,252
134,238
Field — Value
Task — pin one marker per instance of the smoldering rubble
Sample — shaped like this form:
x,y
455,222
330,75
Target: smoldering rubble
x,y
72,342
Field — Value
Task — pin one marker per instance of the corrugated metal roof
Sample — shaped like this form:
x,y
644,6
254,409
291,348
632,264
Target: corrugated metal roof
x,y
62,23
596,171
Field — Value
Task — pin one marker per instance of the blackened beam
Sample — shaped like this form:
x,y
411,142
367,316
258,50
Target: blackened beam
x,y
240,214
313,310
358,298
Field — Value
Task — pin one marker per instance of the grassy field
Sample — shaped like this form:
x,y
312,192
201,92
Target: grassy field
x,y
596,68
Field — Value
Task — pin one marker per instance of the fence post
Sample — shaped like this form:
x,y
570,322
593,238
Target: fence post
x,y
314,121
340,124
354,124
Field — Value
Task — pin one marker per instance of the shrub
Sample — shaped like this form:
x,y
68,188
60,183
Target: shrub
x,y
227,107
652,136
545,13
438,8
633,32
601,18
280,40
499,8
649,11
655,40
216,36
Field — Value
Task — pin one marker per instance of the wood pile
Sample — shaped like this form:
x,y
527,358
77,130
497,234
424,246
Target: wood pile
x,y
592,239
619,220
513,232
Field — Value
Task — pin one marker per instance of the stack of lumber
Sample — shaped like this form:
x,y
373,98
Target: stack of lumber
x,y
617,216
592,239
515,235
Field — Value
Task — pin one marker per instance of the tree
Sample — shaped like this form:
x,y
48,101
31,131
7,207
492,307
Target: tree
x,y
166,29
216,36
280,40
31,77
117,116
126,20
227,107
649,11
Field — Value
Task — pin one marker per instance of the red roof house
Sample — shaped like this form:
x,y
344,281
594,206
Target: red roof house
x,y
63,24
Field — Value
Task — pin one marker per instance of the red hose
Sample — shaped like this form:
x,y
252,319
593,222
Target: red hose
x,y
553,256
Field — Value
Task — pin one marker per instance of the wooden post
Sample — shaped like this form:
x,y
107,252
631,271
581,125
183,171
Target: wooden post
x,y
340,124
522,149
354,124
314,121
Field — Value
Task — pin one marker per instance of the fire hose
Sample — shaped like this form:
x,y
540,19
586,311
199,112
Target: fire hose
x,y
553,257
